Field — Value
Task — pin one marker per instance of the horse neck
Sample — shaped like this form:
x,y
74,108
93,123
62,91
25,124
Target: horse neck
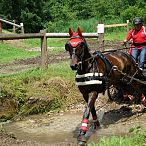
x,y
86,52
95,64
86,56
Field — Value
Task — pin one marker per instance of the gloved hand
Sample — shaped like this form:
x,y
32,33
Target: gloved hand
x,y
125,43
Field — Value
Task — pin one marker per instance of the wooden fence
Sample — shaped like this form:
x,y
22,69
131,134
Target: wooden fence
x,y
100,31
11,23
43,36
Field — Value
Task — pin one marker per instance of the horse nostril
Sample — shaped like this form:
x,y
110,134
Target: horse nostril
x,y
74,66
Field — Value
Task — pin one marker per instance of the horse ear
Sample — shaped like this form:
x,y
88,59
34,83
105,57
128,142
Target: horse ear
x,y
70,32
79,32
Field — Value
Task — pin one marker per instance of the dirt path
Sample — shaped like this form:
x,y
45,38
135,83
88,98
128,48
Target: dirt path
x,y
62,128
30,63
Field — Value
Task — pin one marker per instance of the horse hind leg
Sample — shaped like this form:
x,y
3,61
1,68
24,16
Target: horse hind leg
x,y
96,123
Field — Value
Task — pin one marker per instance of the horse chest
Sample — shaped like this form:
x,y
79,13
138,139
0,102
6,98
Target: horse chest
x,y
90,82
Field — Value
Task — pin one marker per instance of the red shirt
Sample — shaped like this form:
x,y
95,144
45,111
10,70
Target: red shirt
x,y
138,37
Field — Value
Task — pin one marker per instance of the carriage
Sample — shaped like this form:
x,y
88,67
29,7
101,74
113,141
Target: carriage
x,y
113,71
117,93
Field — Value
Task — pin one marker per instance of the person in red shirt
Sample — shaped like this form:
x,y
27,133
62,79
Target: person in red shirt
x,y
138,37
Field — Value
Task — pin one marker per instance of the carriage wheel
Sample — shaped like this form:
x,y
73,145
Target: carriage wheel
x,y
115,93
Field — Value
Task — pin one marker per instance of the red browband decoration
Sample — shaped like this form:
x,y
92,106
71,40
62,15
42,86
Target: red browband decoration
x,y
75,38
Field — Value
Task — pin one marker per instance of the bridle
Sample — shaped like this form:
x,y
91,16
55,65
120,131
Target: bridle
x,y
76,47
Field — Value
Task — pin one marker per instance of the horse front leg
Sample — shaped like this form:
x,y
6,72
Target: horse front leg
x,y
90,108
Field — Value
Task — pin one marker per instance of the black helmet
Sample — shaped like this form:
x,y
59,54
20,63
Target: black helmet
x,y
137,20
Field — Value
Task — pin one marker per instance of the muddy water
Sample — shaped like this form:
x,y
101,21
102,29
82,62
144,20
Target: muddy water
x,y
64,127
47,130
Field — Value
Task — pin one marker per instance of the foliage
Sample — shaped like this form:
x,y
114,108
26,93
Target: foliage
x,y
55,14
132,11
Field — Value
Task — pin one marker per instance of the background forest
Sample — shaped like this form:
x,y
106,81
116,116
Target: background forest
x,y
57,15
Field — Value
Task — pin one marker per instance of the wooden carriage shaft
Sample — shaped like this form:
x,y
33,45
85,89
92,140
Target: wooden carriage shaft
x,y
129,77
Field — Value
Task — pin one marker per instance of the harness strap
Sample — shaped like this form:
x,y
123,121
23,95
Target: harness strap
x,y
107,63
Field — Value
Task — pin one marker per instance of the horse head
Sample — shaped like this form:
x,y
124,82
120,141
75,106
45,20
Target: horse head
x,y
77,48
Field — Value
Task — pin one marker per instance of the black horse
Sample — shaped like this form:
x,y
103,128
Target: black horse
x,y
97,72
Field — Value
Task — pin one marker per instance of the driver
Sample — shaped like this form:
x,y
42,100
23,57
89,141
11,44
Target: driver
x,y
138,37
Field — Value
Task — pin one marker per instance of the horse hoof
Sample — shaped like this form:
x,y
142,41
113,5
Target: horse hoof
x,y
81,140
82,143
96,125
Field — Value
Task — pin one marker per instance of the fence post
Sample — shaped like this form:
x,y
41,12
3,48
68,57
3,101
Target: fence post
x,y
0,27
100,31
22,28
44,50
127,25
14,27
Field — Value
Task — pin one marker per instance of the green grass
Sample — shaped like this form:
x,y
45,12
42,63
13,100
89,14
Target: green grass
x,y
135,137
52,42
55,45
33,42
86,25
136,140
61,69
89,25
115,35
9,53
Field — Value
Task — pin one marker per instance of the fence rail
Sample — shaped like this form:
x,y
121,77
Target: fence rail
x,y
39,35
43,36
116,25
20,36
12,23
